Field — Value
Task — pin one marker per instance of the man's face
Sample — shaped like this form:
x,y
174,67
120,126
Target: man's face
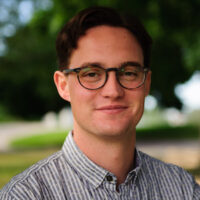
x,y
111,110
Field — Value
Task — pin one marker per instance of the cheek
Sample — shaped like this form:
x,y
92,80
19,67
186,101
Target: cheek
x,y
137,103
76,91
137,96
81,98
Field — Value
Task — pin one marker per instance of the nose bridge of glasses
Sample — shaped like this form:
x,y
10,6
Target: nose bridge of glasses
x,y
112,69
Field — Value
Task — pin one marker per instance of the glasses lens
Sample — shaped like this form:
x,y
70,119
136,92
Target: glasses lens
x,y
92,77
131,76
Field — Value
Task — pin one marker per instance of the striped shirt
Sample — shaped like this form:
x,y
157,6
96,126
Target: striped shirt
x,y
69,174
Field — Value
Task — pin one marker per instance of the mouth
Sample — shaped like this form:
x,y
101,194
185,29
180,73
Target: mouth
x,y
112,109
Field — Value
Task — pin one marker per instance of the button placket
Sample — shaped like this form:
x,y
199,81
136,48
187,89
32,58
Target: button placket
x,y
110,183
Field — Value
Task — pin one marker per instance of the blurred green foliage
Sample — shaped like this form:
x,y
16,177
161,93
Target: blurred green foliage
x,y
27,66
5,115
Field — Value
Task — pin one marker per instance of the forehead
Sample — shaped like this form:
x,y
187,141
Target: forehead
x,y
108,44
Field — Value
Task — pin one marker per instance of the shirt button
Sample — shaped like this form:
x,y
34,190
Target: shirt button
x,y
109,178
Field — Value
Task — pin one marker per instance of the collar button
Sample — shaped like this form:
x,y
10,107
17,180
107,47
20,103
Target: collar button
x,y
109,178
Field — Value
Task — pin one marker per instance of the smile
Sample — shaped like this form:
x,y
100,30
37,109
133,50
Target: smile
x,y
112,109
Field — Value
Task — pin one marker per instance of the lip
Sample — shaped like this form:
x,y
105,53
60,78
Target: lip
x,y
111,109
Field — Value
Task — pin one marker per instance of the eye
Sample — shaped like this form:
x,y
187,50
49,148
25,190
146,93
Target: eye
x,y
130,73
90,72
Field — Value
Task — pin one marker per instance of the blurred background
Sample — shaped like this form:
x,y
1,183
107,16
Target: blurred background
x,y
34,120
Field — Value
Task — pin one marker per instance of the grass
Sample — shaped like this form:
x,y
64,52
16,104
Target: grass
x,y
195,171
167,132
46,140
13,163
56,139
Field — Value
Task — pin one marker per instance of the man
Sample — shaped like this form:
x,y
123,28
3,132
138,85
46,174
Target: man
x,y
105,75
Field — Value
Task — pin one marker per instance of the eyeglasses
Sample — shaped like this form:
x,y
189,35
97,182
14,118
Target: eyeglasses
x,y
93,77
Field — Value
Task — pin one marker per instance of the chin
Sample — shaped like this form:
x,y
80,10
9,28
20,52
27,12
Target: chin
x,y
113,131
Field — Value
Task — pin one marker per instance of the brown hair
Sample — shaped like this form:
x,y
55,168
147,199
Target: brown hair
x,y
68,37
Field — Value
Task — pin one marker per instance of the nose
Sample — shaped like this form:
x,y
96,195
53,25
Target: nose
x,y
112,88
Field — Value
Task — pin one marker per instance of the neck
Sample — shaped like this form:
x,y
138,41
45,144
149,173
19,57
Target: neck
x,y
115,155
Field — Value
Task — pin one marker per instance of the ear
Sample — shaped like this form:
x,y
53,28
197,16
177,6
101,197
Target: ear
x,y
148,83
61,82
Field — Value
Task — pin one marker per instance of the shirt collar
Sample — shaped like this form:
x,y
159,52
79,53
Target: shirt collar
x,y
87,169
132,175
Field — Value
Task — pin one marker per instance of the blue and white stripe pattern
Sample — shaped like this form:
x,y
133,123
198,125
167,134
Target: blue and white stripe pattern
x,y
70,175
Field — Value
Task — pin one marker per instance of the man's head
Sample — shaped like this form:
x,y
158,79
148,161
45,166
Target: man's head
x,y
70,34
115,108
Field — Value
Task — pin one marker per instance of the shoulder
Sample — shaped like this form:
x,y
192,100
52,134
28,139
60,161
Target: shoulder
x,y
158,167
29,179
168,176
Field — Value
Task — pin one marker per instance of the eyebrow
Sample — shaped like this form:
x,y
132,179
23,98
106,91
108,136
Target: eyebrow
x,y
132,63
123,64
